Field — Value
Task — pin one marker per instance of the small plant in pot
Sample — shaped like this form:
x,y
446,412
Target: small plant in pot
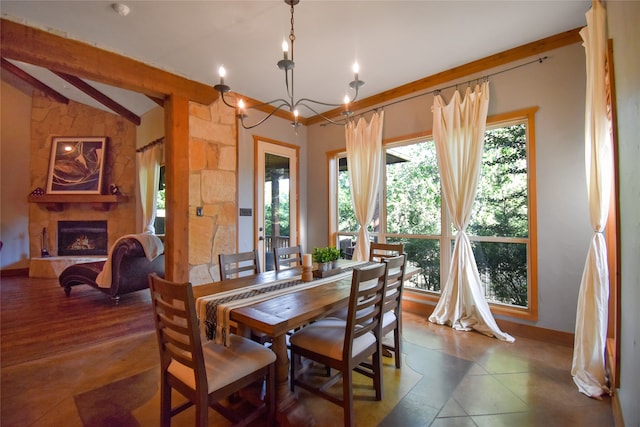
x,y
334,256
326,258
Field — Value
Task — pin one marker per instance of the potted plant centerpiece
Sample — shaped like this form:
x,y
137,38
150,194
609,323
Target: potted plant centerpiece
x,y
326,258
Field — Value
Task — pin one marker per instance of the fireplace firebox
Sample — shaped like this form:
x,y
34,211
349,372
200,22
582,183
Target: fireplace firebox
x,y
82,238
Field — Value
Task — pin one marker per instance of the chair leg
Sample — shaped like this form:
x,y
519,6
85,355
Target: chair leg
x,y
165,403
397,342
271,395
201,402
347,398
377,373
292,371
202,414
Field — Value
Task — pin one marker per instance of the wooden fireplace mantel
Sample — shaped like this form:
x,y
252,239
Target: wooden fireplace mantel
x,y
57,202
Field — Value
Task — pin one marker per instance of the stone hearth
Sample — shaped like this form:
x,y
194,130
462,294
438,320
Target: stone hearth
x,y
51,267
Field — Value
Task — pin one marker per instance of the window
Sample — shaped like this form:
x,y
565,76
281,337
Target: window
x,y
502,226
160,205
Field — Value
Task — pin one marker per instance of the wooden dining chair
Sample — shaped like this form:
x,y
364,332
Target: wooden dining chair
x,y
242,264
205,373
379,251
346,345
392,310
288,257
239,264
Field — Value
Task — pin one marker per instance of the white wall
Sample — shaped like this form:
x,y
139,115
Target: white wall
x,y
279,130
557,87
15,146
151,127
623,20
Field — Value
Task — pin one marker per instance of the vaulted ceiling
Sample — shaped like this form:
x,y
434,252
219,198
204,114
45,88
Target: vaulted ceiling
x,y
395,42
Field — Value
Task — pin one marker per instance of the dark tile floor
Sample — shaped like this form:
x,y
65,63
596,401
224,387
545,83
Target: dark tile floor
x,y
449,378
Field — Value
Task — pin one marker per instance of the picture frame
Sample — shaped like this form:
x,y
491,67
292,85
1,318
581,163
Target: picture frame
x,y
76,165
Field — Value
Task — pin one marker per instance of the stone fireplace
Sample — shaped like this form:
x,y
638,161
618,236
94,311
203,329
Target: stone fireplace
x,y
82,238
49,119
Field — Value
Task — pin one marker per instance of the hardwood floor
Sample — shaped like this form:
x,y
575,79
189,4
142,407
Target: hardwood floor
x,y
80,361
38,320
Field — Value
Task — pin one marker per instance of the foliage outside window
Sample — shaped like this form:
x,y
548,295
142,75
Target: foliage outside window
x,y
282,202
159,223
412,213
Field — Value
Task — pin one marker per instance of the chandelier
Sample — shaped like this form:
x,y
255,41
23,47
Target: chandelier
x,y
290,103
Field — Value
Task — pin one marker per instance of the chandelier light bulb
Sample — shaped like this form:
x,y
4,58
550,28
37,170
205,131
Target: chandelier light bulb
x,y
285,49
346,99
222,72
356,70
241,105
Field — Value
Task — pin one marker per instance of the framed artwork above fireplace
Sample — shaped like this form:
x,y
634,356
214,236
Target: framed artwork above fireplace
x,y
76,165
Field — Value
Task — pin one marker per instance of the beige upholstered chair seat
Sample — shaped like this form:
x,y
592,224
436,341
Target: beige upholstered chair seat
x,y
388,319
225,365
326,337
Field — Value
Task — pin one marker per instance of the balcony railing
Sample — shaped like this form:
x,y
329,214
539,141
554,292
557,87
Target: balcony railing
x,y
271,242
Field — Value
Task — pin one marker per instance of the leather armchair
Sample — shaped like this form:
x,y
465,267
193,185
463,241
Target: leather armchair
x,y
130,269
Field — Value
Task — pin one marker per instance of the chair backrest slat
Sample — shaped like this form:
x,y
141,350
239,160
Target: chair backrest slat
x,y
365,304
177,325
379,251
236,264
395,282
287,257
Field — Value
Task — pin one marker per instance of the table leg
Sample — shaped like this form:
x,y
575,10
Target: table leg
x,y
290,412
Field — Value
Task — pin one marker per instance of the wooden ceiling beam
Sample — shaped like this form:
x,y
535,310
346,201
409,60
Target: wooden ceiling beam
x,y
59,54
474,67
159,101
100,97
23,75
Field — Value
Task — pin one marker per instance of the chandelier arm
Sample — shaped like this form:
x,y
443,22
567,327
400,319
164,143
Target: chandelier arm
x,y
283,103
333,122
357,86
225,101
241,116
302,100
289,90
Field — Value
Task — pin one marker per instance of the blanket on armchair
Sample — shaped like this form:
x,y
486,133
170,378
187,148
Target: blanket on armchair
x,y
151,244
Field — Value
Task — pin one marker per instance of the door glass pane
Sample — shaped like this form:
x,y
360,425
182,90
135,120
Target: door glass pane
x,y
276,205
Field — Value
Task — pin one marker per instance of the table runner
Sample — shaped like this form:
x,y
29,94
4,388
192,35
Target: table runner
x,y
213,311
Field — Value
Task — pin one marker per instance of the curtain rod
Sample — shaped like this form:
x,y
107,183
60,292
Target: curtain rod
x,y
151,144
468,82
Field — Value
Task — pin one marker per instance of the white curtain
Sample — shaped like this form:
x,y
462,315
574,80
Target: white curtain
x,y
364,159
149,161
588,368
458,131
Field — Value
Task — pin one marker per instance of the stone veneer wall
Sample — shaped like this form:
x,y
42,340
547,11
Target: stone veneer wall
x,y
213,186
50,119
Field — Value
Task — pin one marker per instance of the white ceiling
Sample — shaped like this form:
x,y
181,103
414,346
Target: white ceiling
x,y
395,42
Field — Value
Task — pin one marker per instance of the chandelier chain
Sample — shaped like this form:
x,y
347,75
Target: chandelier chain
x,y
292,35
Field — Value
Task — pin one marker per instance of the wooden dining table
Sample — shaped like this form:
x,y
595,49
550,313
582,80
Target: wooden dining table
x,y
278,315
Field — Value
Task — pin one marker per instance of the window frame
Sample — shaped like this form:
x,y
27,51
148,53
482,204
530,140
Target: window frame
x,y
446,236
